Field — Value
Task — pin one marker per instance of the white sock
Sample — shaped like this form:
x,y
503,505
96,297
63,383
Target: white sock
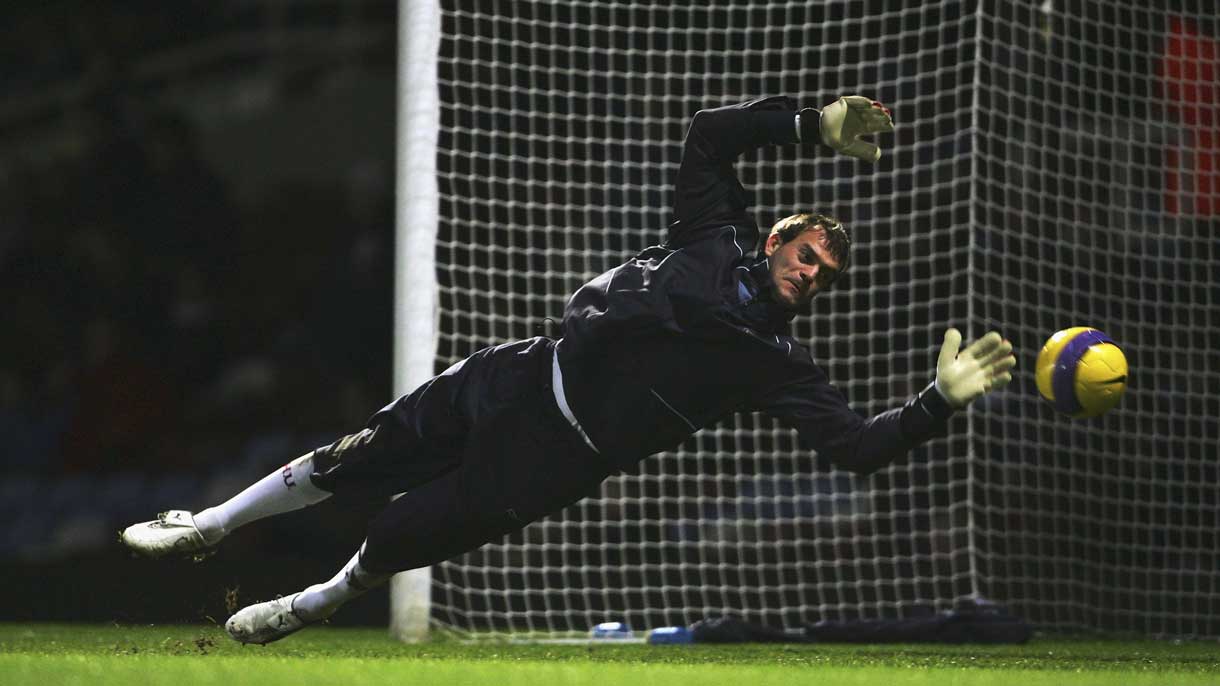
x,y
283,490
321,600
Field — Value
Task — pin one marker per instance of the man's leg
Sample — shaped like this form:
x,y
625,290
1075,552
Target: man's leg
x,y
270,621
183,533
285,490
519,465
430,519
412,440
415,439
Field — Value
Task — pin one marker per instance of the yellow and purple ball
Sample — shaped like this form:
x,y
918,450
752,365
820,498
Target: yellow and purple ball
x,y
1081,372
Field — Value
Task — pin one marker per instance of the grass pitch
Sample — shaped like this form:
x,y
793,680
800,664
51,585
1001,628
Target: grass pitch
x,y
46,654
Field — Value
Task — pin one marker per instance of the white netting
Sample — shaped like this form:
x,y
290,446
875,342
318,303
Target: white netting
x,y
994,205
1098,204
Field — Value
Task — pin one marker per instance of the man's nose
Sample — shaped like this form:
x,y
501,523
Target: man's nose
x,y
809,274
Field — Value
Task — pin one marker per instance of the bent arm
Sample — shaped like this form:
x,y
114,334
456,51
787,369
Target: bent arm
x,y
707,189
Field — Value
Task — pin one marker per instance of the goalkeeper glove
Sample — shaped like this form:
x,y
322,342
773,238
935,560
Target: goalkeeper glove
x,y
842,122
984,365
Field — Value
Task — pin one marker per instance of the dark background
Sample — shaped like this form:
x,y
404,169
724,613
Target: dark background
x,y
196,247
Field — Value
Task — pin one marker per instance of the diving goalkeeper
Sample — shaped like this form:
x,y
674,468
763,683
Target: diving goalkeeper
x,y
675,339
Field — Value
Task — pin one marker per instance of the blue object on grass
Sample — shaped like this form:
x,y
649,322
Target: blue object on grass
x,y
611,630
670,635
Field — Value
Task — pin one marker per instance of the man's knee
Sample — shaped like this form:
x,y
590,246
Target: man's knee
x,y
353,449
368,464
433,523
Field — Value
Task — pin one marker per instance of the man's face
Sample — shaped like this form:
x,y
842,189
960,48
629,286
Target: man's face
x,y
800,268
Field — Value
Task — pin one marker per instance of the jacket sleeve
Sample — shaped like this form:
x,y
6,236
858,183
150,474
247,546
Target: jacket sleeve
x,y
707,190
822,418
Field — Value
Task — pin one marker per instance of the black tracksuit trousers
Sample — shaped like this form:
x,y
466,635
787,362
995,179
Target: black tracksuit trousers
x,y
480,450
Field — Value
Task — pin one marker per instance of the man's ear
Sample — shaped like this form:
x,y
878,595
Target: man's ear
x,y
772,244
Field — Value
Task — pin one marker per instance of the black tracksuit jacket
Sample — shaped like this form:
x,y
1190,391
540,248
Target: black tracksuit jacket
x,y
687,333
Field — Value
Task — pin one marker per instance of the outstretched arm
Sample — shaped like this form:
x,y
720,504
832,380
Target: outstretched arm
x,y
820,413
707,189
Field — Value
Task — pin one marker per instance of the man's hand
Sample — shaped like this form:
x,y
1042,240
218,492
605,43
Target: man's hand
x,y
843,121
984,365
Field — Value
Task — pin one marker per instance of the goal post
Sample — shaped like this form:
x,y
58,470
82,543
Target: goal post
x,y
416,219
1037,179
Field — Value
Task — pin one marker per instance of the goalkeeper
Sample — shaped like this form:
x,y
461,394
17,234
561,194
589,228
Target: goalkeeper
x,y
675,339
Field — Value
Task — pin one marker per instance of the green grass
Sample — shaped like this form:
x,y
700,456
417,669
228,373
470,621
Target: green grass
x,y
53,654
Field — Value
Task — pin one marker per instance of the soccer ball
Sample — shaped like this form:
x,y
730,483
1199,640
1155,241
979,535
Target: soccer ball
x,y
1081,372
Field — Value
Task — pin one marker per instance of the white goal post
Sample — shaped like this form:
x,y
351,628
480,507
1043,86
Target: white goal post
x,y
1050,169
416,218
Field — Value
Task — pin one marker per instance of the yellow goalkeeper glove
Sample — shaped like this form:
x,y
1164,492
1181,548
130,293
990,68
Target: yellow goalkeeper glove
x,y
982,367
841,123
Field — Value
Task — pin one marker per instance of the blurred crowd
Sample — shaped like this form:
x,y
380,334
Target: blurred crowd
x,y
151,321
155,319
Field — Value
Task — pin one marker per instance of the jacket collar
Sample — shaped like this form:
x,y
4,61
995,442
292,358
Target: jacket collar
x,y
760,304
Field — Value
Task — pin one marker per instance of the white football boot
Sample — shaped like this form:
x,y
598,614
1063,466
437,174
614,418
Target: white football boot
x,y
171,533
263,623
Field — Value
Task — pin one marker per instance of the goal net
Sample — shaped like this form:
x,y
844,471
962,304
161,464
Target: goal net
x,y
1097,202
1037,180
